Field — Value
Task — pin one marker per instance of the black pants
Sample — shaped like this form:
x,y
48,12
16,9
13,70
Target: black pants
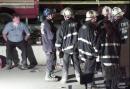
x,y
111,76
51,61
67,58
15,59
11,46
30,54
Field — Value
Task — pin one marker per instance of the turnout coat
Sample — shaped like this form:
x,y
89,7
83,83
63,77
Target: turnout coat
x,y
110,42
122,25
67,37
87,41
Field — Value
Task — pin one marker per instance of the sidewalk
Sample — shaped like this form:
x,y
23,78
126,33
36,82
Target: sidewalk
x,y
34,79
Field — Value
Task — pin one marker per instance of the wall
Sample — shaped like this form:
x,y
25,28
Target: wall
x,y
38,51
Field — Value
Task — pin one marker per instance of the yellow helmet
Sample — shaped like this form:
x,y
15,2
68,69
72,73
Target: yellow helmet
x,y
90,14
106,11
116,11
67,12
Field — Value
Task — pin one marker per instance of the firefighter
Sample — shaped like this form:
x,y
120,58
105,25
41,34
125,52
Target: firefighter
x,y
121,22
48,42
67,37
109,49
87,47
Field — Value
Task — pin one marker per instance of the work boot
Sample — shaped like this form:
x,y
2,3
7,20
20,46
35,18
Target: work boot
x,y
78,78
77,75
64,78
23,67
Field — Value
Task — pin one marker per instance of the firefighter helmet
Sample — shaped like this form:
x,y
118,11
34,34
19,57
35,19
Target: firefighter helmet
x,y
106,11
47,12
116,11
67,12
90,14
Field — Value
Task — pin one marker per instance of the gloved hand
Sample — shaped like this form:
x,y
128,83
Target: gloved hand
x,y
97,59
59,54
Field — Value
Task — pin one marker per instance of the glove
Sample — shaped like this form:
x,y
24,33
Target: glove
x,y
59,54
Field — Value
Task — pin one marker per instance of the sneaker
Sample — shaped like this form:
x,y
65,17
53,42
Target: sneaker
x,y
52,75
31,66
9,67
23,67
49,78
15,65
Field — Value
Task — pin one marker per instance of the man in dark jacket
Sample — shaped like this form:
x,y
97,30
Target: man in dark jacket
x,y
87,47
121,23
66,42
48,42
109,49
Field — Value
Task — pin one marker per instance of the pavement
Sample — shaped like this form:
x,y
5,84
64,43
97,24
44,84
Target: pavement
x,y
34,79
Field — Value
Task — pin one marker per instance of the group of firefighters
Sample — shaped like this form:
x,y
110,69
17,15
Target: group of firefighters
x,y
94,39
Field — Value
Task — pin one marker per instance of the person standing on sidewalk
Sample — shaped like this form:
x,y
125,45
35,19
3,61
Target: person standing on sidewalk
x,y
13,35
66,42
87,47
48,42
109,49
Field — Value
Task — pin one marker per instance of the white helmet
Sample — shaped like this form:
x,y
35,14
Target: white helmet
x,y
116,11
90,14
106,11
67,12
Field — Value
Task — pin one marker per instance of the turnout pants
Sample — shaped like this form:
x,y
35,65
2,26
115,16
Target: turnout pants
x,y
66,60
111,76
88,73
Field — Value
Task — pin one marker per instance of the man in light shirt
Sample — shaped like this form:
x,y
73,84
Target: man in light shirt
x,y
13,34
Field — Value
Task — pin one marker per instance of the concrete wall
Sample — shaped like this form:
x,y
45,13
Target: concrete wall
x,y
38,51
